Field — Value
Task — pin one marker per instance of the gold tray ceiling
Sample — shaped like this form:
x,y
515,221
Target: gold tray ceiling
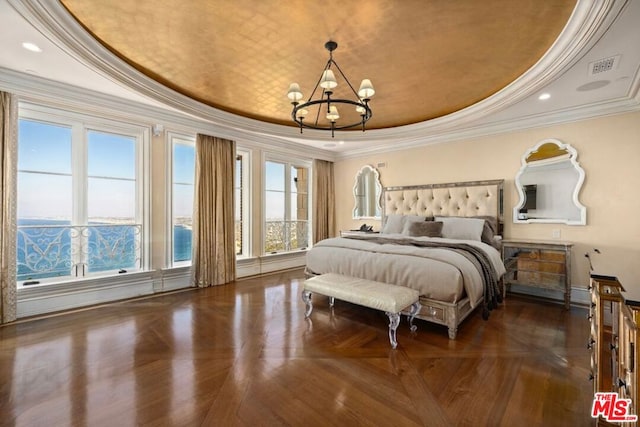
x,y
426,58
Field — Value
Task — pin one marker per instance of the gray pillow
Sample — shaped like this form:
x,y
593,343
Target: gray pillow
x,y
425,228
409,220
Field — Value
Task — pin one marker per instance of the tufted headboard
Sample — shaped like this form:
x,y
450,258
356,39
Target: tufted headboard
x,y
477,198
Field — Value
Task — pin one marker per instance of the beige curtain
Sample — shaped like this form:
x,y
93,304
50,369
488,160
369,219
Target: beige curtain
x,y
214,254
324,209
8,175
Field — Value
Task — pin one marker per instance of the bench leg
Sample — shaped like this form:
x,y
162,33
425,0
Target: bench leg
x,y
415,308
306,297
394,321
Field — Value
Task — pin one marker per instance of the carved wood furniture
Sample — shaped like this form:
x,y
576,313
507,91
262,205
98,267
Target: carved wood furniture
x,y
614,318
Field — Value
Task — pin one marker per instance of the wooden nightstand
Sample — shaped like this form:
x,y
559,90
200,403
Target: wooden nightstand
x,y
539,264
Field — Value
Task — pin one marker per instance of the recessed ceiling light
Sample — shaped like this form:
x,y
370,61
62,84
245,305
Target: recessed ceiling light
x,y
544,96
31,46
341,142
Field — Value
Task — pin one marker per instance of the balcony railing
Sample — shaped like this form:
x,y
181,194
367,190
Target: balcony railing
x,y
46,251
286,236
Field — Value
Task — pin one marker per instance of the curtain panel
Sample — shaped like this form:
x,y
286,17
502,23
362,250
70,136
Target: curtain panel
x,y
8,192
324,211
214,255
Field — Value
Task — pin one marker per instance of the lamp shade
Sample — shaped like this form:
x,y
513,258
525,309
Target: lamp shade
x,y
366,90
294,93
302,113
333,113
328,80
360,109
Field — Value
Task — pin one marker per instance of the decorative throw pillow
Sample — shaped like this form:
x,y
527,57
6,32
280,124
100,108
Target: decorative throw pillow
x,y
461,228
425,228
409,220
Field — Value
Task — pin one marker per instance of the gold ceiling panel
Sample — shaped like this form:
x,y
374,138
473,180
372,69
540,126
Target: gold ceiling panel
x,y
426,58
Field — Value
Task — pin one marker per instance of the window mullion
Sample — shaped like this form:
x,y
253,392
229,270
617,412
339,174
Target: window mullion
x,y
287,206
79,199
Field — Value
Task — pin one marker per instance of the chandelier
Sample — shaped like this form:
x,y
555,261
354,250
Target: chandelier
x,y
328,106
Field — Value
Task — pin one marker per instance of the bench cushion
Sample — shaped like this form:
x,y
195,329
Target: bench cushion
x,y
381,296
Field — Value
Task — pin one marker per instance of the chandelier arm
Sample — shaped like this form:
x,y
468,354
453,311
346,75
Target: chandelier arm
x,y
346,79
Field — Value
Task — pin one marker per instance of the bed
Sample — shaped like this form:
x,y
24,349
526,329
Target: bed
x,y
441,239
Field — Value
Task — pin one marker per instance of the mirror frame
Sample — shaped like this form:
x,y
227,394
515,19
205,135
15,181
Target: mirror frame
x,y
378,193
573,156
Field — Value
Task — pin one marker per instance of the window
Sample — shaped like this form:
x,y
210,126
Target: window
x,y
286,206
184,157
80,201
241,189
182,188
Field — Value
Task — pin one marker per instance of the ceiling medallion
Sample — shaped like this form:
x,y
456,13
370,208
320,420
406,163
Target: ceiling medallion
x,y
329,105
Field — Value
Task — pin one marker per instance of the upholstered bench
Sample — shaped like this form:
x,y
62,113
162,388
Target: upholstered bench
x,y
391,299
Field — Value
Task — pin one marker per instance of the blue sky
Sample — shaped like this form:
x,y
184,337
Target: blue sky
x,y
47,148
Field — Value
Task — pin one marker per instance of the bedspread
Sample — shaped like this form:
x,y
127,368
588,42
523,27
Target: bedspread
x,y
442,272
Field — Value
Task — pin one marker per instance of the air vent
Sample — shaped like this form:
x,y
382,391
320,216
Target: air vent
x,y
603,65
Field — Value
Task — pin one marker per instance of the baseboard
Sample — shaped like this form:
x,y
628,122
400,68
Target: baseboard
x,y
579,296
48,300
38,300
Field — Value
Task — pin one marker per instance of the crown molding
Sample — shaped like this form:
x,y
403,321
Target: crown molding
x,y
38,90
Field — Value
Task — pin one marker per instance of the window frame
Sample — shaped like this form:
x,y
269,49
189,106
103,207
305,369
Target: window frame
x,y
246,201
289,162
80,125
246,198
171,136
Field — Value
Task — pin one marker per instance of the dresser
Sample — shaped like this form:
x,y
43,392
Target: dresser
x,y
539,264
614,316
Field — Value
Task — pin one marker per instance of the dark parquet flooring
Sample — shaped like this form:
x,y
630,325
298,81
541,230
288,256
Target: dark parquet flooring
x,y
244,355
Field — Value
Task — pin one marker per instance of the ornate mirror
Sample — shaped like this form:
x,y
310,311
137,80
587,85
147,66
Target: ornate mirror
x,y
548,183
366,193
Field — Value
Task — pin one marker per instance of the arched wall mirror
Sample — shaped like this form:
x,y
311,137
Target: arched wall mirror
x,y
367,191
548,184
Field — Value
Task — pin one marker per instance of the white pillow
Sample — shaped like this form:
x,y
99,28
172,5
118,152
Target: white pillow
x,y
394,224
461,228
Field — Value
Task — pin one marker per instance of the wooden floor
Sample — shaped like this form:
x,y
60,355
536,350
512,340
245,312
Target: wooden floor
x,y
243,354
